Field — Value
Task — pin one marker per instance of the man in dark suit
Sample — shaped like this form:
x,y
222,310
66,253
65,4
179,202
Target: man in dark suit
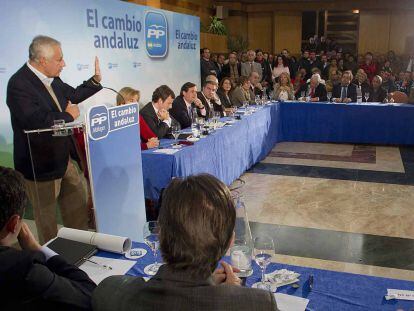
x,y
37,97
34,278
206,96
183,105
232,69
346,91
156,112
188,280
315,90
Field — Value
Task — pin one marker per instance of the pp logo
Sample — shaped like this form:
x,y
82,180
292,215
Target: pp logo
x,y
156,34
98,122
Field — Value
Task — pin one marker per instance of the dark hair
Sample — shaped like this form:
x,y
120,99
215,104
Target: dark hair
x,y
186,86
203,50
162,92
243,80
13,196
222,82
197,219
284,60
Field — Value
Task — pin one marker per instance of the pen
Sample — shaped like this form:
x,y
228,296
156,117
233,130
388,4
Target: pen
x,y
97,263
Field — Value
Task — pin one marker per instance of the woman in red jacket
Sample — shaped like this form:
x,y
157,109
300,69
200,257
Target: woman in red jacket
x,y
129,95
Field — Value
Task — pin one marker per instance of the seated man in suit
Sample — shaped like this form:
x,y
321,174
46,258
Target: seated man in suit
x,y
376,93
207,98
203,209
34,278
182,106
156,113
250,65
315,90
255,85
346,91
232,69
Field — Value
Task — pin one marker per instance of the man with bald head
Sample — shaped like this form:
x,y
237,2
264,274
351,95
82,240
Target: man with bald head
x,y
255,85
37,97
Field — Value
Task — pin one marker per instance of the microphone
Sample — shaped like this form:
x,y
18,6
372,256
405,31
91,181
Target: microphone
x,y
115,91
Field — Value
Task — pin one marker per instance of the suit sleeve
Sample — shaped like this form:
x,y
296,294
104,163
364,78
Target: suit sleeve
x,y
237,98
323,94
336,92
180,115
82,92
62,283
353,94
160,129
26,108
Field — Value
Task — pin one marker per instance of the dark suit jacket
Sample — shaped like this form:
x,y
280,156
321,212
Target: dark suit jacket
x,y
176,291
216,107
160,128
378,96
223,98
207,68
180,113
320,92
32,107
225,72
29,282
351,92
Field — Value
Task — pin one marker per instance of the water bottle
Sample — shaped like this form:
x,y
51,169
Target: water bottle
x,y
242,250
359,94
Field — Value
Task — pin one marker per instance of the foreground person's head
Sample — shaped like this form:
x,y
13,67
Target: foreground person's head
x,y
196,220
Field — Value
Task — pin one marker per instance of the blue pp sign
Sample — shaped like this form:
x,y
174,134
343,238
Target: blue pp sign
x,y
98,122
156,34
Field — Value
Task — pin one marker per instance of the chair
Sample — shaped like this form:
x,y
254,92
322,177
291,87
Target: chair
x,y
399,97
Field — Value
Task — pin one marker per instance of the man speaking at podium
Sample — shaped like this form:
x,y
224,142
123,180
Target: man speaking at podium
x,y
37,97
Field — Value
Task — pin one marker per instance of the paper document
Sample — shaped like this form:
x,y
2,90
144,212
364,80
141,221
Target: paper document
x,y
400,294
290,303
98,273
166,151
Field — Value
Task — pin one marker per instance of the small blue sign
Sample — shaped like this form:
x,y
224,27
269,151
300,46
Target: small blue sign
x,y
156,34
98,122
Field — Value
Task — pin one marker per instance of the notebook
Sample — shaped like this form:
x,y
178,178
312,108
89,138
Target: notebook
x,y
74,252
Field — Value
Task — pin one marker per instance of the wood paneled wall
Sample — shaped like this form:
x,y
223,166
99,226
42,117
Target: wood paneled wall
x,y
260,31
287,32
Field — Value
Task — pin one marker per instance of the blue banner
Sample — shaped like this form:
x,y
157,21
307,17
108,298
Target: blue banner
x,y
115,170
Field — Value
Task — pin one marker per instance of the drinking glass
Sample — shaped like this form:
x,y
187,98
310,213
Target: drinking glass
x,y
263,251
366,95
257,100
151,238
302,95
329,96
175,131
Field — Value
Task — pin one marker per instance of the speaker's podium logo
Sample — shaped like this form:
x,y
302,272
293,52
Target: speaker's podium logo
x,y
98,122
156,34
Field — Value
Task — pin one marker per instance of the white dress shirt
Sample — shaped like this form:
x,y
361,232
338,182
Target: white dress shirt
x,y
167,121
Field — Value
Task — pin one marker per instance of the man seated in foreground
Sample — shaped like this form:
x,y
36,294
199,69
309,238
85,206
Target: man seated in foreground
x,y
197,220
314,89
35,278
346,91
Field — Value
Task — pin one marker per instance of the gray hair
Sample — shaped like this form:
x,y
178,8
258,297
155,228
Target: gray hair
x,y
42,46
317,77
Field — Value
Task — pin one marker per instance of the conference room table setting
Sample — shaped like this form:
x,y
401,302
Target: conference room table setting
x,y
239,143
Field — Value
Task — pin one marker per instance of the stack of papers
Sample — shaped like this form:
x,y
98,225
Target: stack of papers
x,y
166,151
399,294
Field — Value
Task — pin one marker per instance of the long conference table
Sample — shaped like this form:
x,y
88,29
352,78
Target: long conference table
x,y
331,290
232,150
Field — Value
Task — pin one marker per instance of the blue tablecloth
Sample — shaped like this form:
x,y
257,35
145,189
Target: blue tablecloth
x,y
229,152
331,290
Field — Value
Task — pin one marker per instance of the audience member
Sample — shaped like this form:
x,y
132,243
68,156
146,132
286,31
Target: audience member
x,y
197,221
207,66
183,105
283,90
129,95
313,61
251,66
156,113
266,80
405,84
305,64
34,278
351,64
255,86
314,90
224,91
387,83
241,93
361,81
325,66
346,91
232,69
281,65
377,94
298,81
369,66
206,96
219,64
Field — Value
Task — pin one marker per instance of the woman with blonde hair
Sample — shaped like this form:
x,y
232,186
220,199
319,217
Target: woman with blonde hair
x,y
284,89
128,95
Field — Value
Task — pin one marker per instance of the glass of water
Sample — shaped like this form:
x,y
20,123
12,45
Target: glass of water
x,y
329,96
241,258
366,95
264,250
175,131
151,238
